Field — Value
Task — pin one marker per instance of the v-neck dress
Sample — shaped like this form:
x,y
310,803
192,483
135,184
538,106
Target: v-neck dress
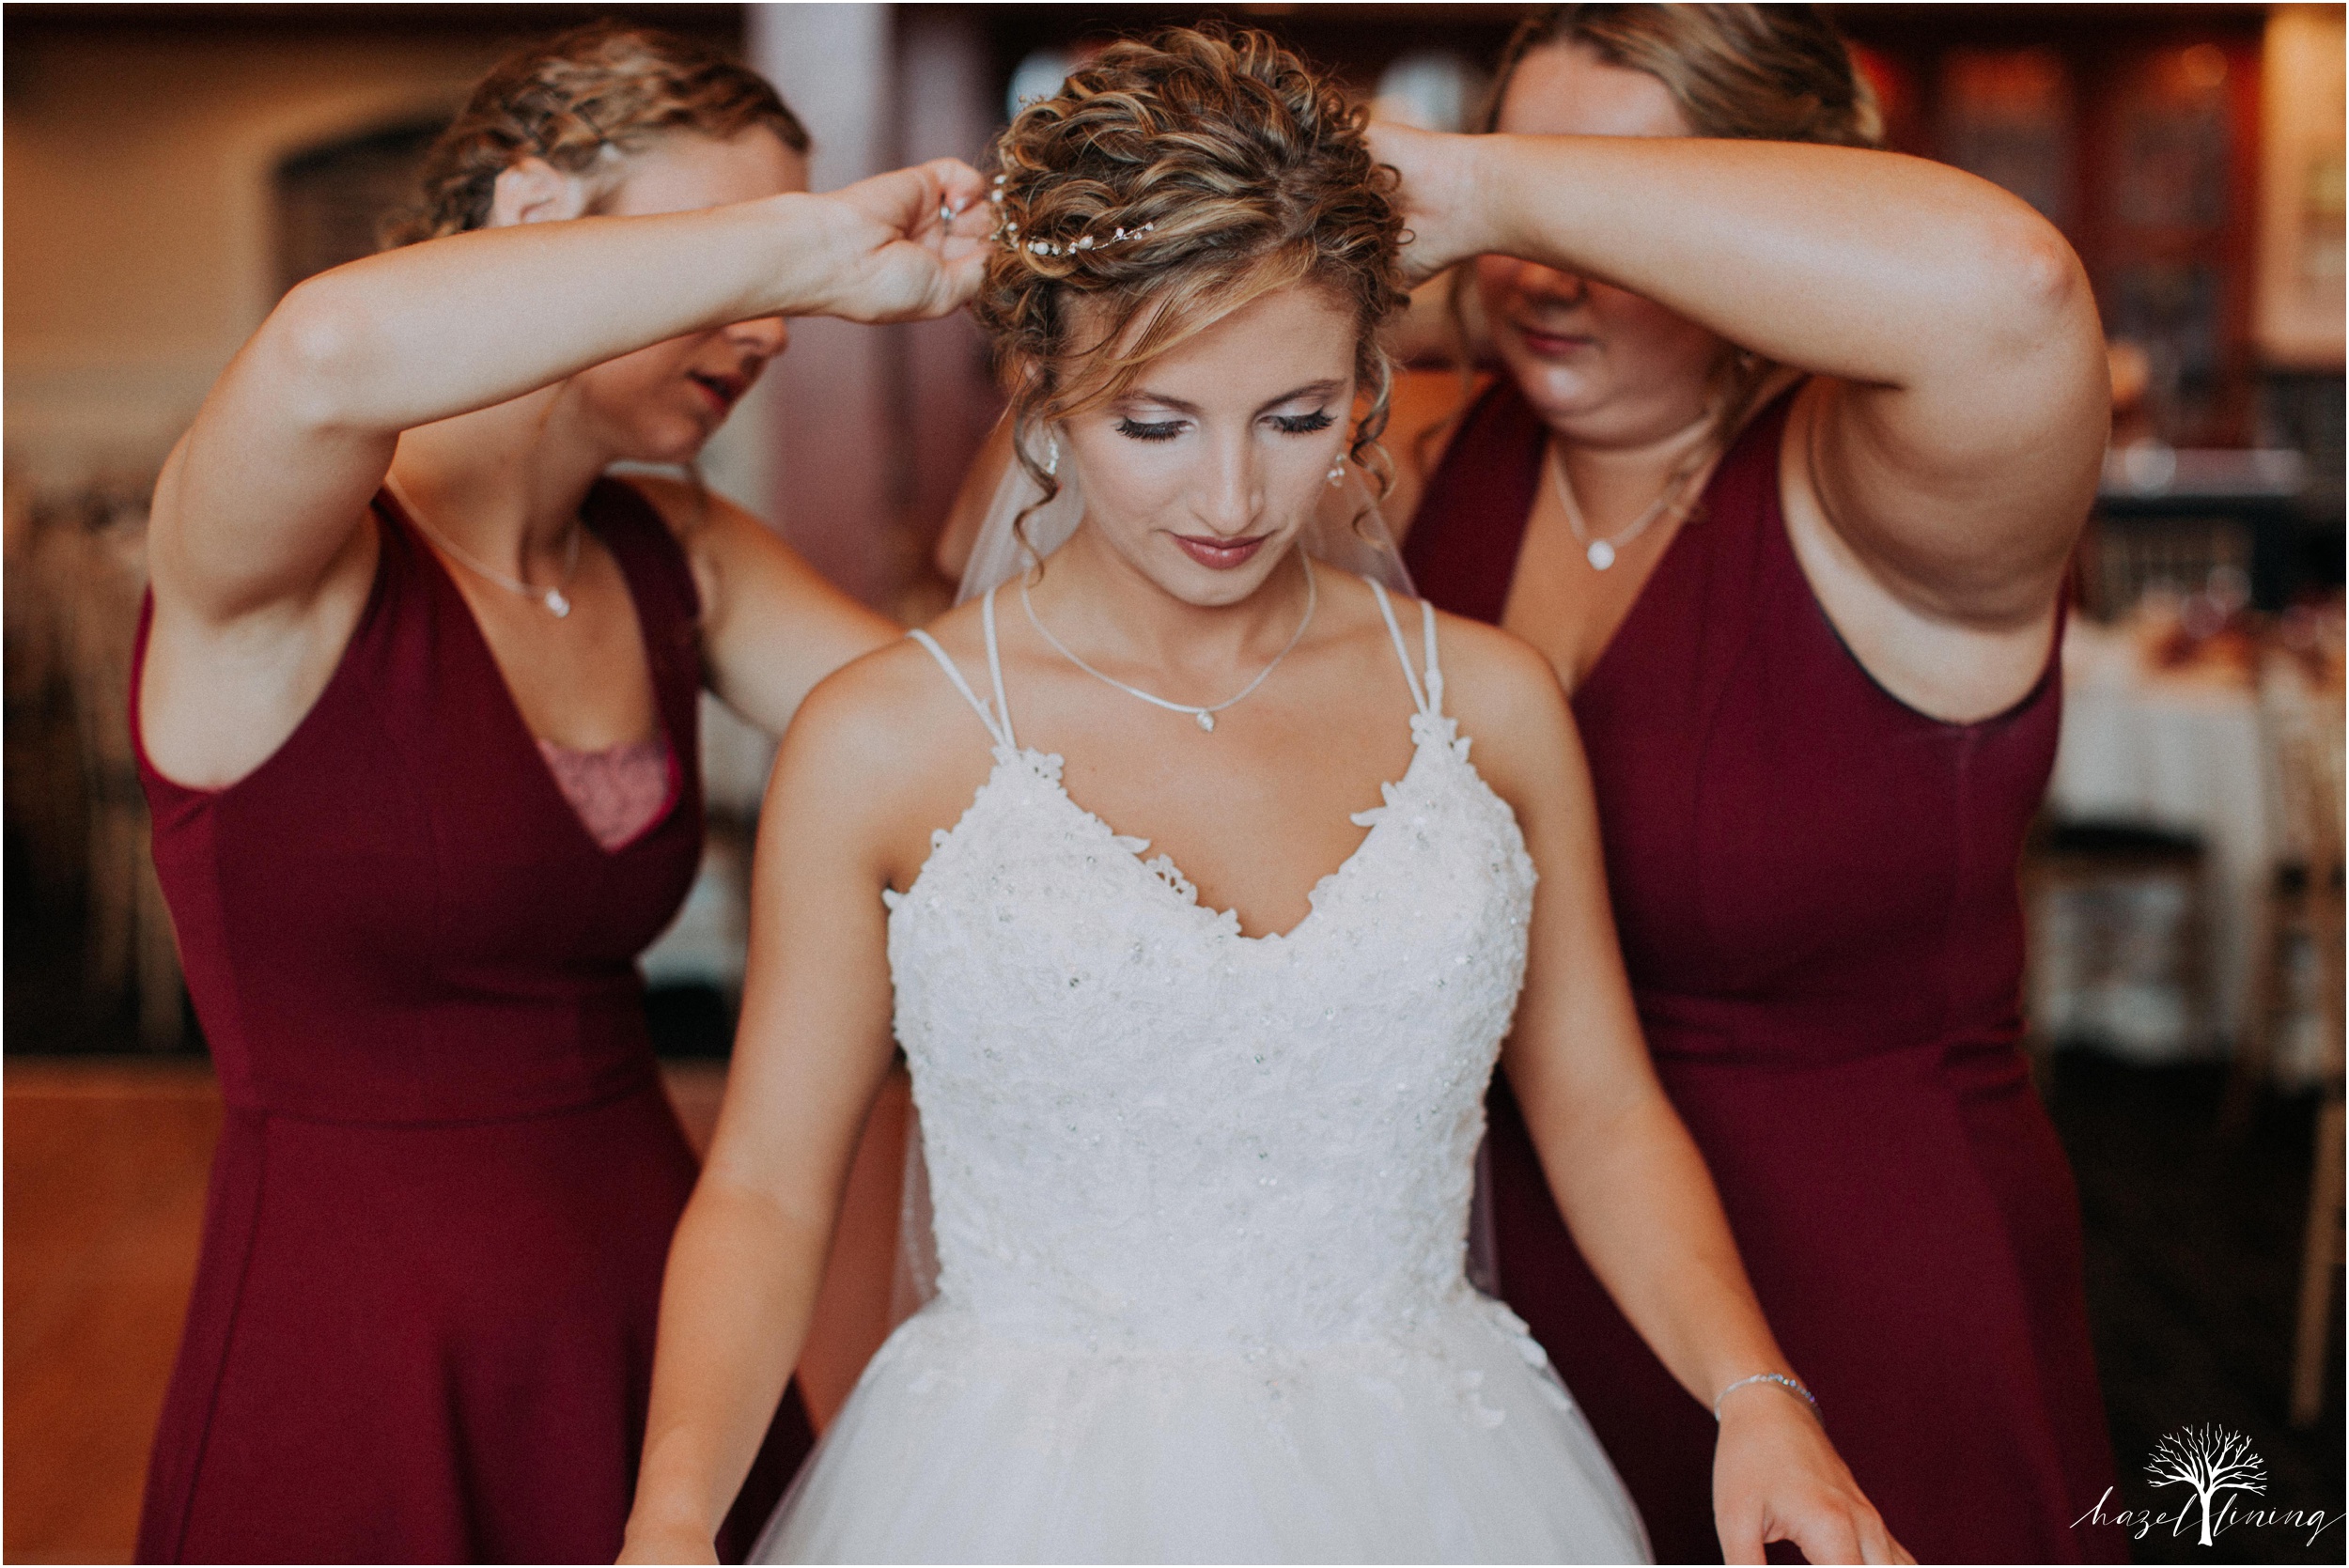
x,y
1201,1202
1815,889
421,1325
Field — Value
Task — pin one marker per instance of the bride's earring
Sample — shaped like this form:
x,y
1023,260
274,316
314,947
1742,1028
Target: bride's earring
x,y
1337,473
1051,454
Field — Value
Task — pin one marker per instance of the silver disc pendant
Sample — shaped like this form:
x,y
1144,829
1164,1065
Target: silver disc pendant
x,y
1207,719
1602,555
557,605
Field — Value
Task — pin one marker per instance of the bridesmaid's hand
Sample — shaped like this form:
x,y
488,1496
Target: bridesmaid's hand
x,y
906,246
1777,1478
1443,194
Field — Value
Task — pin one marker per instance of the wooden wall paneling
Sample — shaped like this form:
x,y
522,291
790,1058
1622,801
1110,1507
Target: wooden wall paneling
x,y
2237,243
2298,305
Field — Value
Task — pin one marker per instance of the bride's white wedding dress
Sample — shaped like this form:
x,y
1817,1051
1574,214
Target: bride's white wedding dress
x,y
1201,1203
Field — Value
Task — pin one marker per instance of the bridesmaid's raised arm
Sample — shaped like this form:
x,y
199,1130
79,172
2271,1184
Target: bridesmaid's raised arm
x,y
264,489
1957,428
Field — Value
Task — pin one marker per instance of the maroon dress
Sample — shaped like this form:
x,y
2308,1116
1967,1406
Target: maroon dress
x,y
422,1325
1815,889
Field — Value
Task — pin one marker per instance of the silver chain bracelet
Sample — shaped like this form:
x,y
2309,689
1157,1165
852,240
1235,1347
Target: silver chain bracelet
x,y
1791,1385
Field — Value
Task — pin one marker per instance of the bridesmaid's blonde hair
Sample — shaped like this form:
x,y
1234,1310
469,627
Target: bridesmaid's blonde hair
x,y
1768,73
1744,73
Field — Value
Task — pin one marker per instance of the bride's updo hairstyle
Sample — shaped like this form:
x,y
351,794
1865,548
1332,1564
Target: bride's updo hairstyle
x,y
1169,183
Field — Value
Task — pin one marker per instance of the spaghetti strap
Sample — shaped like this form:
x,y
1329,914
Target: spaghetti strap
x,y
1403,649
995,666
1435,670
995,731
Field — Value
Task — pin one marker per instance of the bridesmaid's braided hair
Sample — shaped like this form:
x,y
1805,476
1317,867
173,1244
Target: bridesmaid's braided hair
x,y
581,97
1169,183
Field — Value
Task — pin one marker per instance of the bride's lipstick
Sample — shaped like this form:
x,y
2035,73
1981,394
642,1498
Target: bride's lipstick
x,y
1220,554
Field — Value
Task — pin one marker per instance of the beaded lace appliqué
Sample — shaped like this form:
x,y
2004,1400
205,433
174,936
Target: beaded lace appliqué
x,y
1146,1129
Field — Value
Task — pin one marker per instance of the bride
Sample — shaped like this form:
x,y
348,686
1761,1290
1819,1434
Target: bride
x,y
1199,1112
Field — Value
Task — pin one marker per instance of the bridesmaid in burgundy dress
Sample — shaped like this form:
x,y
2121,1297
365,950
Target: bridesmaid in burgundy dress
x,y
1788,454
415,704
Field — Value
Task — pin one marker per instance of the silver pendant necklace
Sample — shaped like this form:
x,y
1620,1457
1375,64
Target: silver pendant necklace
x,y
1203,717
553,598
1601,553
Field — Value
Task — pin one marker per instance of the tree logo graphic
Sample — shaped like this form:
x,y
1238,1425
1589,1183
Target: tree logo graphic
x,y
2211,1459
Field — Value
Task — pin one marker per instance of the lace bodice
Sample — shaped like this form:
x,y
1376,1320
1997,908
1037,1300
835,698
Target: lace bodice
x,y
1147,1131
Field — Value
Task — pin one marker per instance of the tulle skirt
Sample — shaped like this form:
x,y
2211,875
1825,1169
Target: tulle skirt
x,y
1453,1443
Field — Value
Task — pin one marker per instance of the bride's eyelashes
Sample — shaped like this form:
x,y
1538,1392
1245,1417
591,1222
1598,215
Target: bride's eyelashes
x,y
1167,429
1163,429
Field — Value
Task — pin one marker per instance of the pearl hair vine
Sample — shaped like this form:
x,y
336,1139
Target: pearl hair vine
x,y
1007,232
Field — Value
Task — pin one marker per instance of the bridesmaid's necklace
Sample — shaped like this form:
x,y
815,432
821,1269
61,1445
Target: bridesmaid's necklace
x,y
1601,552
1203,717
553,597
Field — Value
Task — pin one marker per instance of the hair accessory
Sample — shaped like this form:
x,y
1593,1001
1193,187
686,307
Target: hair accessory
x,y
1791,1385
1007,232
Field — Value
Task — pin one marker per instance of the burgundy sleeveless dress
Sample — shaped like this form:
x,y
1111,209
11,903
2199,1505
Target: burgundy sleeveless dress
x,y
1815,889
422,1325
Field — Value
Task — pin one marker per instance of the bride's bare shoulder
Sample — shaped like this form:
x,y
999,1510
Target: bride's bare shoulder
x,y
889,722
1477,653
1506,697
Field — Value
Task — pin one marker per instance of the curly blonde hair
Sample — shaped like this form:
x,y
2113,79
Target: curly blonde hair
x,y
1250,173
575,100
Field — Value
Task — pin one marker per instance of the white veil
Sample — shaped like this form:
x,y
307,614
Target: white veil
x,y
1347,530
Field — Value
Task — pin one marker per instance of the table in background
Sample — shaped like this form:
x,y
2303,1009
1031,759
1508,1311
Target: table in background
x,y
2183,750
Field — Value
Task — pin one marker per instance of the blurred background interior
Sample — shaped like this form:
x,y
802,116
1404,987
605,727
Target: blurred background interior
x,y
171,170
